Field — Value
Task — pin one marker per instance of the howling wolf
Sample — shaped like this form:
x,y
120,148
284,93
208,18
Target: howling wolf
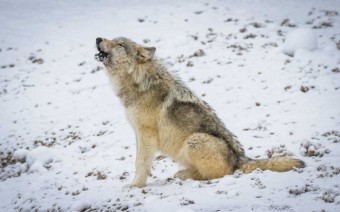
x,y
169,118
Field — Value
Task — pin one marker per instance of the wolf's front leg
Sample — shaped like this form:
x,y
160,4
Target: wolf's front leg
x,y
146,148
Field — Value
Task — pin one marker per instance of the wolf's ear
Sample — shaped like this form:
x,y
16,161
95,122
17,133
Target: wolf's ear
x,y
145,53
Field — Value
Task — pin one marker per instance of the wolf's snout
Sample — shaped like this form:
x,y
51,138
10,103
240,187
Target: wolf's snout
x,y
101,55
99,40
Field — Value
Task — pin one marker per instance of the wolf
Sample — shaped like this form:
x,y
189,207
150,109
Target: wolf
x,y
169,118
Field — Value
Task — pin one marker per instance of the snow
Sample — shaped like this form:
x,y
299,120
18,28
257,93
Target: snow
x,y
65,143
80,206
298,39
20,155
39,159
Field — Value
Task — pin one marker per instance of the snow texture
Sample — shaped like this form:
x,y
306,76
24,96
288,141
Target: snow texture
x,y
39,159
65,143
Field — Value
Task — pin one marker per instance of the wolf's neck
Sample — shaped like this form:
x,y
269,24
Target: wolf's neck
x,y
142,79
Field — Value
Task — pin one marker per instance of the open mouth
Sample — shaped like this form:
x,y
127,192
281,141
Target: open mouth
x,y
101,56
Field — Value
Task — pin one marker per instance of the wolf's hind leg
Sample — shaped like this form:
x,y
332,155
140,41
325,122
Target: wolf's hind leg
x,y
208,155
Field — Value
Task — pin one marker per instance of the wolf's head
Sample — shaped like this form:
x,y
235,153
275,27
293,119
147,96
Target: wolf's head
x,y
122,52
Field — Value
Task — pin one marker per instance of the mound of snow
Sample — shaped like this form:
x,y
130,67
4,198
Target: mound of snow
x,y
39,159
20,155
299,39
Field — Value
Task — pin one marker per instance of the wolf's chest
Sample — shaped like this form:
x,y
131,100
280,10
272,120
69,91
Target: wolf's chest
x,y
141,116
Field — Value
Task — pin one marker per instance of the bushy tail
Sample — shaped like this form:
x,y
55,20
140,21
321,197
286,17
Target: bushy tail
x,y
278,164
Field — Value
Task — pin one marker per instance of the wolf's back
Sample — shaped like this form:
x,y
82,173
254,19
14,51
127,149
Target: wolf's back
x,y
278,164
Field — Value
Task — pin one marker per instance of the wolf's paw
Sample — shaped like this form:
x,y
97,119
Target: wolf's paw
x,y
184,174
134,185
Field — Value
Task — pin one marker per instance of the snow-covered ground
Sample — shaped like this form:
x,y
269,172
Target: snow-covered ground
x,y
65,143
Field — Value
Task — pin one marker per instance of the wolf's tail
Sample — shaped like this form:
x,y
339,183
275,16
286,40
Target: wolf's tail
x,y
278,164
